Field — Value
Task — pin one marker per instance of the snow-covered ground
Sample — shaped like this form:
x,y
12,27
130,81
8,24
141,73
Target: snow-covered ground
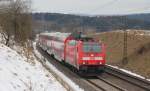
x,y
18,75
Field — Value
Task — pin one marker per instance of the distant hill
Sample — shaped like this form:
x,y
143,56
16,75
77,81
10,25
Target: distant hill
x,y
143,17
67,22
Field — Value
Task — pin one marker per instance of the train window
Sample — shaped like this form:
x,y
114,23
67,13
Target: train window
x,y
72,42
91,48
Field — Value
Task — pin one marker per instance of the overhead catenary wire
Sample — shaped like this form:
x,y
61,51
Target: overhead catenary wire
x,y
139,9
103,6
110,3
124,20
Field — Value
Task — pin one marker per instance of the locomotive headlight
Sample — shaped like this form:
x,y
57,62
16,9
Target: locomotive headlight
x,y
83,62
100,62
85,58
98,58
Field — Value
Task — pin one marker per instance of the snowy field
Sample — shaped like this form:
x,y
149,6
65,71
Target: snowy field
x,y
18,75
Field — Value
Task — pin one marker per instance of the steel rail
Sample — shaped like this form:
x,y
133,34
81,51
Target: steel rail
x,y
128,78
111,84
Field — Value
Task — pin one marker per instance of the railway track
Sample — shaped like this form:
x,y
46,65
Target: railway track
x,y
112,84
110,80
139,82
104,85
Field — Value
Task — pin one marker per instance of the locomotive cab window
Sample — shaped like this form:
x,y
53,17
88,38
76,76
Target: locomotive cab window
x,y
72,42
91,47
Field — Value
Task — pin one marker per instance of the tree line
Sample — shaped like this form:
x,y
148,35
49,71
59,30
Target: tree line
x,y
56,21
15,21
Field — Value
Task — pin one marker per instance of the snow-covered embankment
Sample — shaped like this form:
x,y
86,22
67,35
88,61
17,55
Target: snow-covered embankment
x,y
18,75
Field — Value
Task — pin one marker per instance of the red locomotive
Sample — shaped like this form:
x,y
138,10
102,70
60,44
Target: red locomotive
x,y
81,52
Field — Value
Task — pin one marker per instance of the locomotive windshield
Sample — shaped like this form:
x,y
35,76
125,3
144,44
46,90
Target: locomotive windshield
x,y
88,47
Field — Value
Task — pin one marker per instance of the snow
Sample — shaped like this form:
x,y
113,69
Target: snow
x,y
129,72
74,86
18,75
139,32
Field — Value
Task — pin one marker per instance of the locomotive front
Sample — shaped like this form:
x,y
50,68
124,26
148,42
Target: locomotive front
x,y
91,56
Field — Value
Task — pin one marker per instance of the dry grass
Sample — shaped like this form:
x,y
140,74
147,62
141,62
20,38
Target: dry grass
x,y
138,51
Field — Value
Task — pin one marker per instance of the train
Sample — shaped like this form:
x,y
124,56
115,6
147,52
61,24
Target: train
x,y
85,54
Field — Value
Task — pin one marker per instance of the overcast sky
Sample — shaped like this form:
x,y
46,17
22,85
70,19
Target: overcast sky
x,y
92,7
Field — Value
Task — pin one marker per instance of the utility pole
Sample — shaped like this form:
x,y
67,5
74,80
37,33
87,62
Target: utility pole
x,y
125,47
43,22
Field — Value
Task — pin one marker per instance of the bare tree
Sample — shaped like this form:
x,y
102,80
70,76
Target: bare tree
x,y
15,20
5,23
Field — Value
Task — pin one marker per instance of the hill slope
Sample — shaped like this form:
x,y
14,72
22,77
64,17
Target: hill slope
x,y
138,50
143,17
18,75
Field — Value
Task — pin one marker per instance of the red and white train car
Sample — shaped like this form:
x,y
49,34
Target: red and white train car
x,y
84,54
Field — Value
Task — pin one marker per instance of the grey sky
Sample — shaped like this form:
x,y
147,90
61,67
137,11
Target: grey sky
x,y
92,7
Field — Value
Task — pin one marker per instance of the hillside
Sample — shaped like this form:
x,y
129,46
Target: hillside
x,y
143,17
67,22
138,50
17,74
